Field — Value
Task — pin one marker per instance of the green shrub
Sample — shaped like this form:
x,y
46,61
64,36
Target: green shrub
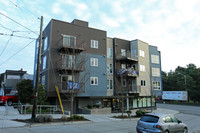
x,y
139,113
76,117
44,118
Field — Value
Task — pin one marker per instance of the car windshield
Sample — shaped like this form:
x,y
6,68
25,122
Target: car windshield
x,y
149,119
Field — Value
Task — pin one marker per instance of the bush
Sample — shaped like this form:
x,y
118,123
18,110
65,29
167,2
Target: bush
x,y
76,117
44,118
64,118
139,113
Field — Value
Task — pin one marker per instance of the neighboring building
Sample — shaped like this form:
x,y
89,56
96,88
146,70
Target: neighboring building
x,y
10,78
97,68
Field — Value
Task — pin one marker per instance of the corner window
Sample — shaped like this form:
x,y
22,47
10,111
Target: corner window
x,y
156,85
109,68
142,68
143,83
43,79
94,61
155,59
45,44
93,80
94,44
109,84
109,52
123,52
44,62
142,54
156,72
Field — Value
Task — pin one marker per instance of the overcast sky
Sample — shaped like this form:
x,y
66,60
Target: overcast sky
x,y
171,25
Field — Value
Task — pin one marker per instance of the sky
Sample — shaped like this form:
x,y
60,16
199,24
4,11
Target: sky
x,y
171,25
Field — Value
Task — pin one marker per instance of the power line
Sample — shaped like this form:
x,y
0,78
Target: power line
x,y
6,45
17,36
18,23
16,53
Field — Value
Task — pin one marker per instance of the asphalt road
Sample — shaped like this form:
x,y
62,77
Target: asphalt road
x,y
192,110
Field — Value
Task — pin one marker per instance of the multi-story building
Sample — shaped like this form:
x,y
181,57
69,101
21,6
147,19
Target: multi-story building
x,y
10,78
97,69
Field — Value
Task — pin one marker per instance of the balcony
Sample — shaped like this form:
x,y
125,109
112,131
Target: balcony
x,y
127,72
69,65
134,88
127,56
70,47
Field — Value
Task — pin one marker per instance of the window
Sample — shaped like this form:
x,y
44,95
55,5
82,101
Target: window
x,y
155,59
68,61
123,52
156,72
142,54
143,83
109,68
94,61
150,119
156,85
142,68
168,119
43,80
109,52
45,44
123,66
124,83
93,80
94,44
44,62
69,40
109,84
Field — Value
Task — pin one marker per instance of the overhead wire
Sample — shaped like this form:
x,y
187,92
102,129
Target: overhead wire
x,y
18,23
17,36
6,44
16,53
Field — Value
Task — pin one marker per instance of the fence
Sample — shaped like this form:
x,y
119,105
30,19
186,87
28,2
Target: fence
x,y
41,109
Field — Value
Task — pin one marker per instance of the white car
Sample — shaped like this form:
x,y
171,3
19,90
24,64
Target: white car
x,y
160,123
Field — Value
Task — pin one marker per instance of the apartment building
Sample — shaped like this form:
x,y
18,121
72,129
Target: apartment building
x,y
98,70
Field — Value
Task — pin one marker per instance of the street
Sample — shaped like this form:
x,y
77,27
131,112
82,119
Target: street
x,y
101,124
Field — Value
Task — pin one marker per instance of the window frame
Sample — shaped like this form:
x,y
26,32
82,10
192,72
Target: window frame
x,y
94,62
155,72
156,85
44,62
123,52
69,40
155,59
142,53
94,44
109,84
95,79
143,83
142,68
45,45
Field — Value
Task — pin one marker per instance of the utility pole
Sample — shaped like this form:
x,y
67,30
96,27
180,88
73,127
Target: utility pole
x,y
37,73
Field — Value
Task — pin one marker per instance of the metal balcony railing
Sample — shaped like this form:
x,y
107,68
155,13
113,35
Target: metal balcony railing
x,y
127,72
70,65
127,56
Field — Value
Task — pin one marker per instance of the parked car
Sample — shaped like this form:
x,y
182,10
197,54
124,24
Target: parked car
x,y
160,123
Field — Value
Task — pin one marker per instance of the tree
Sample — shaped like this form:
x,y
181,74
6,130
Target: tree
x,y
25,91
42,97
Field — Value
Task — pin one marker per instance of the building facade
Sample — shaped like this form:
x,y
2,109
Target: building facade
x,y
96,69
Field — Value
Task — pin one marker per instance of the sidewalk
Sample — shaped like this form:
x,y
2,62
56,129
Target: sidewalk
x,y
8,114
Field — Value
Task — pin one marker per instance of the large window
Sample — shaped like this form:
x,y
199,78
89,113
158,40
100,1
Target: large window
x,y
44,62
69,40
142,68
123,66
142,54
123,52
93,80
94,44
109,52
45,43
94,61
109,84
109,68
156,85
155,59
156,72
43,79
123,82
143,83
68,61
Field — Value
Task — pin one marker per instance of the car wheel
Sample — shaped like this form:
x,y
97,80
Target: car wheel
x,y
9,103
185,130
166,131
